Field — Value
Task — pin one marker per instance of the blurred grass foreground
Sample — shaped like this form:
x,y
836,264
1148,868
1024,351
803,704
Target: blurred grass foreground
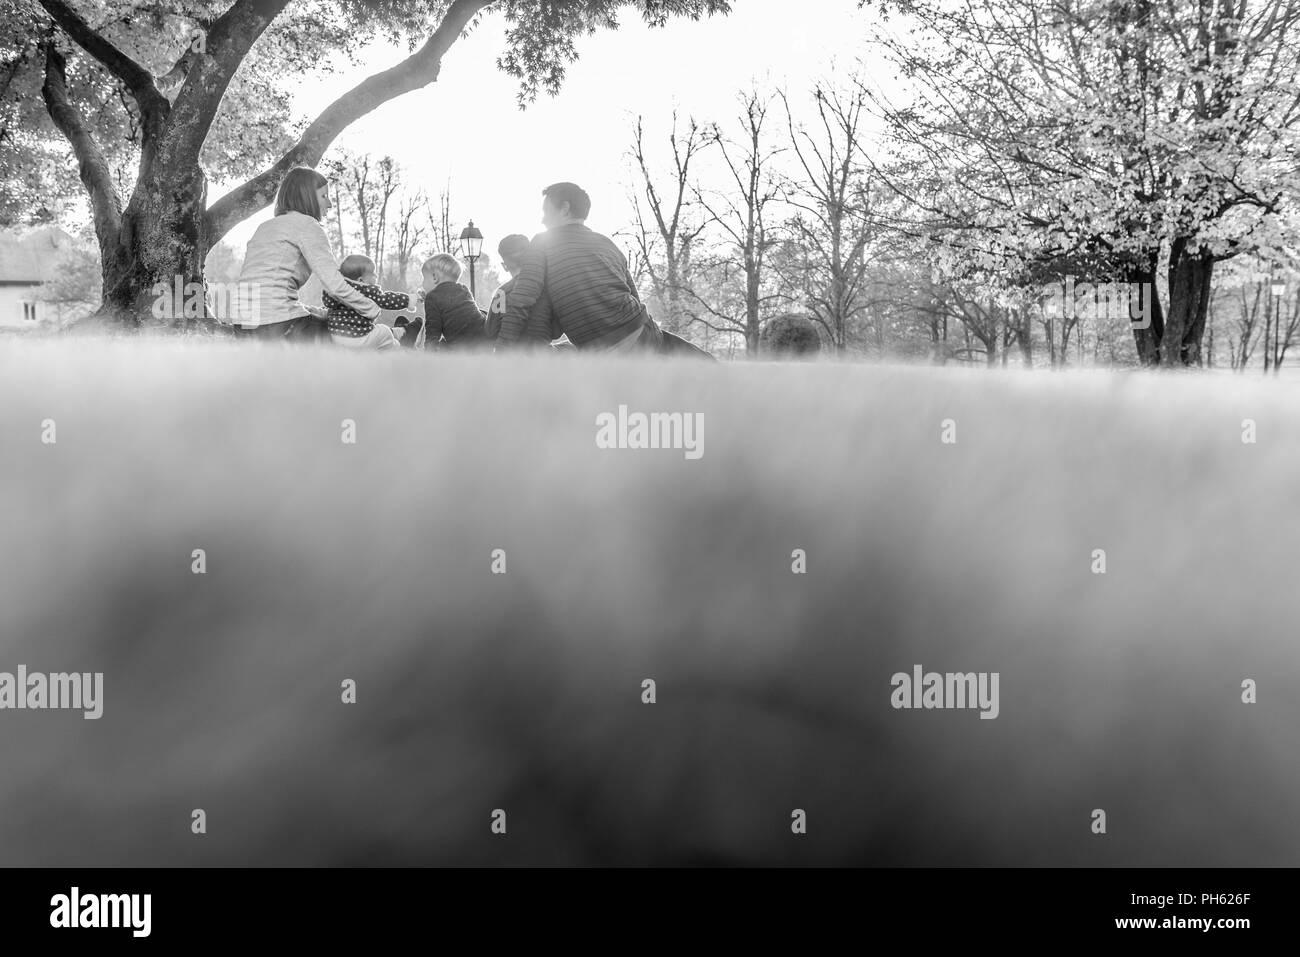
x,y
373,561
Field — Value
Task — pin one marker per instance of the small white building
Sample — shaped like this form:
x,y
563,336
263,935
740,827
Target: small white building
x,y
26,262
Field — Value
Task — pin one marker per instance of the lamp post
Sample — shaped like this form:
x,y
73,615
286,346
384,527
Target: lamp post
x,y
1279,289
471,245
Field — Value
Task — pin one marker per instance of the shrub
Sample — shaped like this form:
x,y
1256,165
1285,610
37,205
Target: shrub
x,y
791,336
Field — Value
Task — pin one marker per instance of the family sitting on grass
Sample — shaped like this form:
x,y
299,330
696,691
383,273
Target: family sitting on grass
x,y
568,283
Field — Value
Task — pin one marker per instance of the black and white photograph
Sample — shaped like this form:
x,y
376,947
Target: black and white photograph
x,y
458,445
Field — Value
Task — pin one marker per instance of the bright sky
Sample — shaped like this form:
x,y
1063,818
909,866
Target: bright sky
x,y
468,127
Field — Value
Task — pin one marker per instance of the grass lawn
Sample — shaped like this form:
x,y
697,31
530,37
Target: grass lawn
x,y
522,691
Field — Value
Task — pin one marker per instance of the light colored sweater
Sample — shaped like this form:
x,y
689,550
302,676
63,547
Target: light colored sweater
x,y
283,253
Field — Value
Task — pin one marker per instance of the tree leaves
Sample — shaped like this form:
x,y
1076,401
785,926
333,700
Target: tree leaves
x,y
255,123
1095,127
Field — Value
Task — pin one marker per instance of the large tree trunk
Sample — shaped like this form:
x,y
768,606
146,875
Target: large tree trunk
x,y
1024,335
1147,340
1190,275
159,239
155,275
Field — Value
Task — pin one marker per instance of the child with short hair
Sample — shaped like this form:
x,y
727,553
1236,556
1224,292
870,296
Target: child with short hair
x,y
452,320
350,328
541,326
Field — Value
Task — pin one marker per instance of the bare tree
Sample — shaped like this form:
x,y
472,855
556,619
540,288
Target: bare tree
x,y
440,219
740,213
356,173
333,170
834,223
1248,300
1057,328
664,239
408,233
366,185
387,176
982,320
716,299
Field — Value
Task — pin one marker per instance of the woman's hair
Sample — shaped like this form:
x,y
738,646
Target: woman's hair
x,y
298,192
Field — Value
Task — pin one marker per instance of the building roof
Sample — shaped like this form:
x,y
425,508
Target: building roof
x,y
31,257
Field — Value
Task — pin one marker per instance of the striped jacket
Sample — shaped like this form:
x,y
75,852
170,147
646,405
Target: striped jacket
x,y
540,328
593,297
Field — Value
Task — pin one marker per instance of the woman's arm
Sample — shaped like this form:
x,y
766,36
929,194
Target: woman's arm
x,y
385,299
315,248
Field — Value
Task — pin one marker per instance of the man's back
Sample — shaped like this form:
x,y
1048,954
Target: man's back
x,y
586,277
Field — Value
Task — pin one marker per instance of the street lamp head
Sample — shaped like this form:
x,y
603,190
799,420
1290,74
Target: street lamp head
x,y
471,241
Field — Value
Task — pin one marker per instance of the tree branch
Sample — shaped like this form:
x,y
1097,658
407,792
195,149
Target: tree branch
x,y
416,71
228,41
137,79
106,207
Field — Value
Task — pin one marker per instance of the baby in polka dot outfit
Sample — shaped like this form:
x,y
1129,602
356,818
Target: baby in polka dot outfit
x,y
350,328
